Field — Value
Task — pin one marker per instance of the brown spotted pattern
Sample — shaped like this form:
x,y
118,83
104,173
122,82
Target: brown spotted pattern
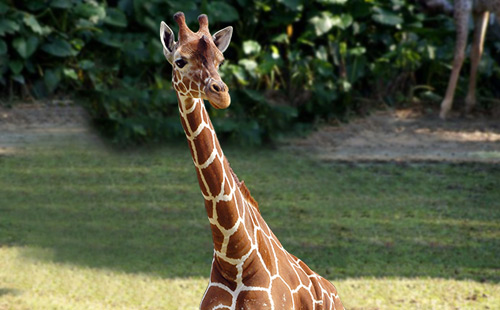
x,y
250,268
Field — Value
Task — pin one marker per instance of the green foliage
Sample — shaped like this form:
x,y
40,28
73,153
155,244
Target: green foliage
x,y
302,60
127,115
41,42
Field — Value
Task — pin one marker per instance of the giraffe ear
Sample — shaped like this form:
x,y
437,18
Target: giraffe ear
x,y
222,38
167,40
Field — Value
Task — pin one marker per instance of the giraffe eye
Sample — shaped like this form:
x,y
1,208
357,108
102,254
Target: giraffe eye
x,y
221,63
180,63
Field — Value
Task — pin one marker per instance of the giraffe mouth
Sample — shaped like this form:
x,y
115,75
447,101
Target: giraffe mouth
x,y
217,94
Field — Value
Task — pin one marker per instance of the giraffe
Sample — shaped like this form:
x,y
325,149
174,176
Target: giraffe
x,y
250,268
462,10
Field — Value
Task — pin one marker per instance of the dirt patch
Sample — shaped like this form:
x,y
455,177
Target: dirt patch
x,y
408,135
396,135
42,123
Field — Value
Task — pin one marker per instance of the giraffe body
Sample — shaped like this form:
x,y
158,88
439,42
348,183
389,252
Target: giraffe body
x,y
250,268
462,10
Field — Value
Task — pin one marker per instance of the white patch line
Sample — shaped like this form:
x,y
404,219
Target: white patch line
x,y
209,160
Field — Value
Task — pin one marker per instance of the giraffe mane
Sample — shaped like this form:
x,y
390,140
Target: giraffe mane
x,y
245,191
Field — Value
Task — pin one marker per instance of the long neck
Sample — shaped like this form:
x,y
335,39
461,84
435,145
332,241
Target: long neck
x,y
226,203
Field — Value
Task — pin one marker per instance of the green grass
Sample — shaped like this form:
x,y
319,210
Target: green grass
x,y
84,228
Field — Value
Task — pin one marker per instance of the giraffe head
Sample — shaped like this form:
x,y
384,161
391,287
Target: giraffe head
x,y
196,58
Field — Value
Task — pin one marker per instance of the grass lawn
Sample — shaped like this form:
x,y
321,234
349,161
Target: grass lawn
x,y
85,228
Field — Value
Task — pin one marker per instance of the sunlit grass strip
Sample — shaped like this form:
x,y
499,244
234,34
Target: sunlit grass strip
x,y
28,284
418,293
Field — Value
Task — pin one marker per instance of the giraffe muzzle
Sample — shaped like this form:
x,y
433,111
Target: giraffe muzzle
x,y
217,94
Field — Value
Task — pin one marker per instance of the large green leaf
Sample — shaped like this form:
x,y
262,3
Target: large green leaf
x,y
25,47
295,5
52,77
34,5
345,21
16,66
8,26
332,1
326,20
251,47
91,10
59,48
126,6
250,65
77,44
28,64
222,12
32,22
239,73
3,47
70,73
322,23
3,8
321,53
110,39
280,38
61,4
385,17
183,6
19,78
115,18
86,64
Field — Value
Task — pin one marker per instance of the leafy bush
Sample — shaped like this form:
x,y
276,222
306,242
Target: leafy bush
x,y
42,44
290,61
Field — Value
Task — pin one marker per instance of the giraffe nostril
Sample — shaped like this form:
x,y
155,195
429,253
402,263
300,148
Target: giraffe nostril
x,y
216,88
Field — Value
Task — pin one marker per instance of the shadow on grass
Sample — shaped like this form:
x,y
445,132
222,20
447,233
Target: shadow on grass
x,y
9,291
142,213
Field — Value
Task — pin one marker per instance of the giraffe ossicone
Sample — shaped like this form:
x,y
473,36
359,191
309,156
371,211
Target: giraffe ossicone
x,y
250,268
